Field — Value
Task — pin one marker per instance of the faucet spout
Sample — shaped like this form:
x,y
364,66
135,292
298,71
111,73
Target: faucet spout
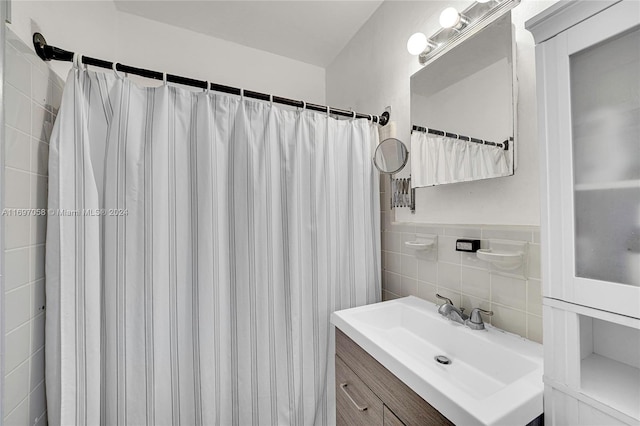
x,y
458,316
449,311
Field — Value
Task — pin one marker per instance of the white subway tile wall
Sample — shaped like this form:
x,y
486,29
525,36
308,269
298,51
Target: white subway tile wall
x,y
33,95
515,298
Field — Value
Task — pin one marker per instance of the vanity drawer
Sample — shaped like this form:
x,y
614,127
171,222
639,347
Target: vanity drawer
x,y
407,405
355,403
390,419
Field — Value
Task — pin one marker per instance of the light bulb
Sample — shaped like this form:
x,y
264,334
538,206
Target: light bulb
x,y
417,43
483,1
450,18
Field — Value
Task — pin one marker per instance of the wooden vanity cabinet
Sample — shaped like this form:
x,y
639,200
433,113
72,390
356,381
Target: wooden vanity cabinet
x,y
369,394
390,419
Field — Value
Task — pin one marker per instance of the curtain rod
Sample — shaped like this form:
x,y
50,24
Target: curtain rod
x,y
504,144
47,52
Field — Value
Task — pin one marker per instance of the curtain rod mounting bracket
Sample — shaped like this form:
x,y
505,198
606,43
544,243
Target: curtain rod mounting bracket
x,y
384,118
49,53
39,44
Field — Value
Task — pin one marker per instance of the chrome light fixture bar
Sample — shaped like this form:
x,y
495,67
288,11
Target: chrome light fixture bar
x,y
457,26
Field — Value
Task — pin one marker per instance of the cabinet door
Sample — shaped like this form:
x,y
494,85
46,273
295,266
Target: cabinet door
x,y
355,403
592,89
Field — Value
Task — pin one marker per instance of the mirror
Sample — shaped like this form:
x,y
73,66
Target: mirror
x,y
390,156
462,110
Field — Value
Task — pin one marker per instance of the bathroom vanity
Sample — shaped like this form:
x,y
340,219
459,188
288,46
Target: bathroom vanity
x,y
369,394
402,362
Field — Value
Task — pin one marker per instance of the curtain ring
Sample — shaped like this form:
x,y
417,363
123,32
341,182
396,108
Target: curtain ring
x,y
328,111
354,115
208,89
114,67
304,105
242,95
377,119
164,78
371,118
77,60
271,101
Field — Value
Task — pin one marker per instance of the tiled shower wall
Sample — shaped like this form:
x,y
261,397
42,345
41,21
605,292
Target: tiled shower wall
x,y
515,298
32,98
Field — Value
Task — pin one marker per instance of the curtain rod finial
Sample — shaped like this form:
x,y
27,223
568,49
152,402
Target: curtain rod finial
x,y
384,118
39,43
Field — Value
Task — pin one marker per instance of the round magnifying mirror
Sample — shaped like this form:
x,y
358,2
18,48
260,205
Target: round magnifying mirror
x,y
391,156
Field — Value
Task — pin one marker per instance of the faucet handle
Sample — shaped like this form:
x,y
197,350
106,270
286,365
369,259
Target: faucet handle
x,y
476,318
445,299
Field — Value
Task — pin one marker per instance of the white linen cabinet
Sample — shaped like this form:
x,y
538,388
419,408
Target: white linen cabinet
x,y
588,88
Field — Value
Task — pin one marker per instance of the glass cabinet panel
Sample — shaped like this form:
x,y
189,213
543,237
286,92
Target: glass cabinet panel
x,y
605,113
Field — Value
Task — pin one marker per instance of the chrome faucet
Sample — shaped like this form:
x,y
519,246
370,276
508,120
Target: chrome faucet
x,y
475,320
449,311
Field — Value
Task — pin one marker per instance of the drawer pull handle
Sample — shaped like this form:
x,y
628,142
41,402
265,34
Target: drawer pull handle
x,y
344,389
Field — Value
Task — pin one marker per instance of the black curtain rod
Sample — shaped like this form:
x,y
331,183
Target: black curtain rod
x,y
504,144
47,52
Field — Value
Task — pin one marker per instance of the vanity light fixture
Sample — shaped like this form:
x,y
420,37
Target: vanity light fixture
x,y
457,26
451,18
417,43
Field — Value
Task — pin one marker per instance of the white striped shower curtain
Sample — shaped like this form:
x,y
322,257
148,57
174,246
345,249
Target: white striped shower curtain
x,y
197,244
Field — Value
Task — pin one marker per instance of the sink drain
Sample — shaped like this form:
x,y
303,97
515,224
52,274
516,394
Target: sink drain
x,y
442,359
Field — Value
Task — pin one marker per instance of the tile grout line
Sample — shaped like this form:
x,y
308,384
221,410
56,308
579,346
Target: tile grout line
x,y
15,129
18,405
24,247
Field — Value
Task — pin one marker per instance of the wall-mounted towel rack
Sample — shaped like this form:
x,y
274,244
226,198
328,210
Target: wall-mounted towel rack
x,y
504,144
402,194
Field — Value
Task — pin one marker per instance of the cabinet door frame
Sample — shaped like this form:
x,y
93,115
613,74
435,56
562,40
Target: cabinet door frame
x,y
558,225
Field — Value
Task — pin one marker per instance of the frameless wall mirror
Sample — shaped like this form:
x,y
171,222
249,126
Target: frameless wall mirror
x,y
390,156
462,110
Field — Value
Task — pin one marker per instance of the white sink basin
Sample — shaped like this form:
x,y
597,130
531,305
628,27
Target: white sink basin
x,y
495,378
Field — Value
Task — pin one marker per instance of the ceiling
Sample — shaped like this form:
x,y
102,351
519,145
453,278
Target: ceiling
x,y
309,31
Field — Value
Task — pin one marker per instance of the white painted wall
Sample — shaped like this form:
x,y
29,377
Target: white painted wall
x,y
98,29
184,52
373,71
84,26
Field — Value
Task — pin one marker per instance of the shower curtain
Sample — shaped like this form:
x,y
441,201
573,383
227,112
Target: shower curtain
x,y
197,244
